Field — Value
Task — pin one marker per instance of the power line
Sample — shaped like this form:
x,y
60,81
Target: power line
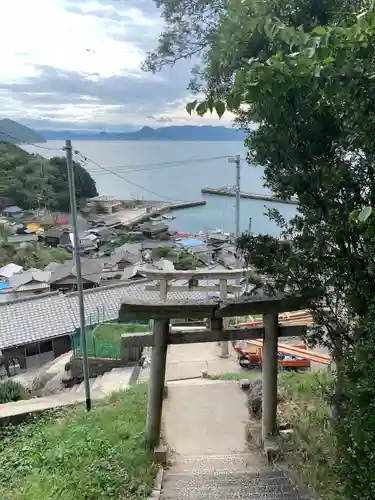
x,y
105,169
29,143
157,166
156,169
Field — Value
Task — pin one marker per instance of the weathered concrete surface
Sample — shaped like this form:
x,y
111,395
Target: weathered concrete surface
x,y
188,361
20,410
228,477
204,424
116,380
205,419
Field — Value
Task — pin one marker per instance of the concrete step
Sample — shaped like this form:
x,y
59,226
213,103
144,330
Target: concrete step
x,y
218,462
96,382
115,380
229,477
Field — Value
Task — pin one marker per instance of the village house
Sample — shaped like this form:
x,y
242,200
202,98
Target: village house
x,y
102,233
9,270
28,283
229,257
217,239
88,241
57,237
125,256
150,230
64,276
105,204
14,211
203,253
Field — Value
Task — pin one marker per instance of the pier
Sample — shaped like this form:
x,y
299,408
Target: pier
x,y
162,209
251,196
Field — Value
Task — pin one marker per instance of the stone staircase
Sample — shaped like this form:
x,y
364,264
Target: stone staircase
x,y
238,476
115,380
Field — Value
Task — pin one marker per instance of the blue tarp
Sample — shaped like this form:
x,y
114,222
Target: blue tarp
x,y
3,286
190,242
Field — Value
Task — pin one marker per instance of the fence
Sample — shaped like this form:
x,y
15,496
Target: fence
x,y
96,347
103,340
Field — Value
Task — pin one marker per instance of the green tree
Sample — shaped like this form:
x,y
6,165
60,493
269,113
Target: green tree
x,y
31,181
85,186
309,85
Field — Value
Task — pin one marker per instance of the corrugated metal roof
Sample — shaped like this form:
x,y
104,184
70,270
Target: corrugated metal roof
x,y
52,315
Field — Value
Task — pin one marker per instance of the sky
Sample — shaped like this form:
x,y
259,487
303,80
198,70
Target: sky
x,y
75,64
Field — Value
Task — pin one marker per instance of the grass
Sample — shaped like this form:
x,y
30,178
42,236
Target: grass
x,y
113,331
307,410
74,455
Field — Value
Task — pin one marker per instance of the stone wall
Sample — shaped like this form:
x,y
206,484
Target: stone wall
x,y
99,366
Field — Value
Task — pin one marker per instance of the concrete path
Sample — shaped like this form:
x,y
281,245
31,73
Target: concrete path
x,y
204,423
115,380
205,418
23,408
189,360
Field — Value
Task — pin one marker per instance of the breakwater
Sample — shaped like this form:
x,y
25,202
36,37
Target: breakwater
x,y
244,194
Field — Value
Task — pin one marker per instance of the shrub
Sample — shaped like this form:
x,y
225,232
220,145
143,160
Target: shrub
x,y
306,409
12,391
355,430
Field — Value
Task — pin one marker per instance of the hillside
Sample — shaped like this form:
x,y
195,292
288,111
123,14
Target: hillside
x,y
30,181
172,133
15,133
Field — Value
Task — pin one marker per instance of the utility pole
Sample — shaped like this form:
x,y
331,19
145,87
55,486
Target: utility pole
x,y
237,161
73,209
223,283
247,276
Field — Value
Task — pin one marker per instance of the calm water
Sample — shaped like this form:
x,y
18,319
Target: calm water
x,y
178,171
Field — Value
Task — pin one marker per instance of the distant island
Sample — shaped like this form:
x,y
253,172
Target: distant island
x,y
15,133
171,133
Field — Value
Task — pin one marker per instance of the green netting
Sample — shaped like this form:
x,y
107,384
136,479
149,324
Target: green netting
x,y
104,342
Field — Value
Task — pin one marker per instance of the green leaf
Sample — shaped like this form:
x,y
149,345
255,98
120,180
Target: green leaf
x,y
190,106
329,60
310,52
201,109
364,214
319,31
233,101
210,104
220,108
240,78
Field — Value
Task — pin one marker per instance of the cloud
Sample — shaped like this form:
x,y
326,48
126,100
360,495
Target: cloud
x,y
78,62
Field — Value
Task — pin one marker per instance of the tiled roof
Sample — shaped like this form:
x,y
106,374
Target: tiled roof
x,y
29,276
91,270
52,315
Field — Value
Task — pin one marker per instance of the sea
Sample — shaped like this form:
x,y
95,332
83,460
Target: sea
x,y
177,171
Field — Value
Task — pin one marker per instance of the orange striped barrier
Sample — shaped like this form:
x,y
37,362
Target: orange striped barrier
x,y
284,318
323,359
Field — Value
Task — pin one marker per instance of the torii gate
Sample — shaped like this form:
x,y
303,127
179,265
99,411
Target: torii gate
x,y
163,311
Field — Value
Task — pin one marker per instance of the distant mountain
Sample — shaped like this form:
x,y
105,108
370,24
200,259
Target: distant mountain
x,y
15,133
81,135
172,133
